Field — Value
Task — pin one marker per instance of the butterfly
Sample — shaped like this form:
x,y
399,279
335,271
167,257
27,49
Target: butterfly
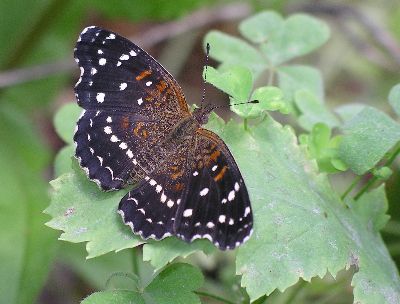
x,y
136,129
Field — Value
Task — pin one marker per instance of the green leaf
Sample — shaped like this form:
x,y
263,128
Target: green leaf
x,y
175,283
85,213
65,121
260,27
230,51
161,253
301,228
323,148
63,160
236,81
348,111
114,297
371,208
367,137
313,111
394,98
270,99
293,78
299,35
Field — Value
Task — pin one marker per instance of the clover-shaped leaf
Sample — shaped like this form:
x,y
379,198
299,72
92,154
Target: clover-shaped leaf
x,y
367,137
175,284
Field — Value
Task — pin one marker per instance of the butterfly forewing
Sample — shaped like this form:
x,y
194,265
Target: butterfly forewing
x,y
131,102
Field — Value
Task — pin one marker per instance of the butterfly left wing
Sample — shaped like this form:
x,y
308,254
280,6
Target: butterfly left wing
x,y
215,204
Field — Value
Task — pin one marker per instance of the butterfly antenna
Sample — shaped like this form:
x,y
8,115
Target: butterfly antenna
x,y
205,76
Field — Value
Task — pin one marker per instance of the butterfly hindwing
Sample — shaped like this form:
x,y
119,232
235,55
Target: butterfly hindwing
x,y
150,208
216,204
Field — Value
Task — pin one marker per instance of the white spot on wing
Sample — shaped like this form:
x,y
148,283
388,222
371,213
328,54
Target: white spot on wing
x,y
195,173
170,203
111,36
210,225
93,71
99,52
222,218
246,211
148,83
140,101
114,138
100,97
107,130
123,86
118,63
237,187
101,160
109,119
158,188
153,182
204,192
231,195
163,198
102,61
123,145
132,53
214,167
124,57
129,153
187,212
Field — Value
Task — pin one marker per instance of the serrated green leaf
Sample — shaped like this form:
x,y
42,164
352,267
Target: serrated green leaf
x,y
232,51
301,228
299,35
65,121
176,282
161,253
260,27
367,137
394,98
86,214
313,111
114,297
371,208
237,82
293,78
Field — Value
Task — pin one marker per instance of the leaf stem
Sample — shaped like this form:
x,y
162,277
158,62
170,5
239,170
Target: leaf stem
x,y
212,296
135,264
245,124
375,178
349,189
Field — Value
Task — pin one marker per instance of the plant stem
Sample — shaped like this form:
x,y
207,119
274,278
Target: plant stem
x,y
374,178
245,124
353,184
209,295
135,264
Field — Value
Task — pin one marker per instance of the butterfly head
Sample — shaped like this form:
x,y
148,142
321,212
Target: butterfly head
x,y
201,114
